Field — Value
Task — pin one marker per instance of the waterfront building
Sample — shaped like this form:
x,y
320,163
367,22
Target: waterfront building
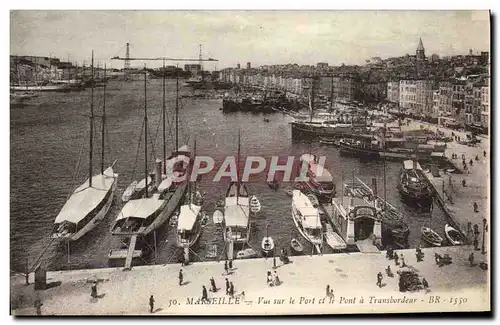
x,y
415,96
393,91
445,98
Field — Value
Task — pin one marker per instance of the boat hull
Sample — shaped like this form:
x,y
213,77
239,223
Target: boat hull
x,y
298,225
168,208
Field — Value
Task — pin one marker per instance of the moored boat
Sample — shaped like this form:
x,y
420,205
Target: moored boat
x,y
453,235
296,245
319,180
267,243
90,202
413,185
246,253
431,237
306,219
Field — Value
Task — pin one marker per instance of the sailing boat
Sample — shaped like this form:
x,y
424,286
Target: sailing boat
x,y
141,216
90,202
190,216
236,223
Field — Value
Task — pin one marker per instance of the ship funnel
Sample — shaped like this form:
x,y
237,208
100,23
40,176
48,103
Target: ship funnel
x,y
158,166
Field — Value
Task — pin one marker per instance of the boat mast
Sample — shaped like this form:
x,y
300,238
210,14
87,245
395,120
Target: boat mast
x,y
238,168
145,137
385,188
91,122
163,117
331,96
103,122
176,109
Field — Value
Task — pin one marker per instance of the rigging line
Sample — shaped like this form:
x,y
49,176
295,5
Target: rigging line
x,y
75,175
137,152
152,154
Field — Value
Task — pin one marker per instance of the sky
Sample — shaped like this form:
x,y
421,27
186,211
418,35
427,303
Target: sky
x,y
259,37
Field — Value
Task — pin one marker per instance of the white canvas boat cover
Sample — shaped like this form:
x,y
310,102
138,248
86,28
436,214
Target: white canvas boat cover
x,y
85,199
310,215
142,184
165,184
408,164
187,216
236,214
140,208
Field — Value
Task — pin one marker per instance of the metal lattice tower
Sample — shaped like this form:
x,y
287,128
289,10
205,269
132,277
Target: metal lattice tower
x,y
127,57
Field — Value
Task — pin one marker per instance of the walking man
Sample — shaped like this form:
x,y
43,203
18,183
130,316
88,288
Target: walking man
x,y
212,283
396,259
204,294
379,279
231,265
425,284
38,305
227,286
231,289
471,259
328,290
181,277
476,207
476,244
226,267
151,304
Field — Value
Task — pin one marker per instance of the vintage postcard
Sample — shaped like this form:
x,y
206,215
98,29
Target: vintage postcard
x,y
249,162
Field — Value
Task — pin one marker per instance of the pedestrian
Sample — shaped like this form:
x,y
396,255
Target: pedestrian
x,y
212,283
484,153
269,278
93,292
471,259
437,258
151,304
327,290
38,305
379,279
204,294
274,262
243,296
231,265
425,284
477,158
396,258
231,289
402,260
227,286
476,244
181,277
471,162
389,271
277,281
463,183
226,267
476,207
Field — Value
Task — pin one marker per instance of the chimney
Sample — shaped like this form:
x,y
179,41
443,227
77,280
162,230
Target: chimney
x,y
158,168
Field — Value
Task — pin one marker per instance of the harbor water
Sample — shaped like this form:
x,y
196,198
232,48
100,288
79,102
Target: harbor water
x,y
49,139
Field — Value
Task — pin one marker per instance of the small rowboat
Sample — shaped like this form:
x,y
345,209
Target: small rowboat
x,y
246,253
254,204
431,236
267,244
453,235
217,217
129,191
296,245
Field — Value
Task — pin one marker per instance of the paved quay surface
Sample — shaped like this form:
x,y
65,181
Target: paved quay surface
x,y
459,286
459,200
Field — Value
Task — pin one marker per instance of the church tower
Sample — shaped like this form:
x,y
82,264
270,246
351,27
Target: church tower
x,y
420,51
